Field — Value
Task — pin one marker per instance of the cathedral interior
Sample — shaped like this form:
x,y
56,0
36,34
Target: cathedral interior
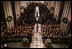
x,y
35,24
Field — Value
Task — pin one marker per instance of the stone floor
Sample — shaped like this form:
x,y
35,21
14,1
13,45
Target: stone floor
x,y
35,44
37,41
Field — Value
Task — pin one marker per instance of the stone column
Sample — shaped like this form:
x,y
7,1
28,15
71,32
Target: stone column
x,y
8,12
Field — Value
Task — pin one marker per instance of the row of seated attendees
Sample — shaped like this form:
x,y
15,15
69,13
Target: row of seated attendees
x,y
56,34
24,22
18,33
48,21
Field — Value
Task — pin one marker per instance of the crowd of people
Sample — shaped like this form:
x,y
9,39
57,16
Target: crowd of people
x,y
18,33
55,34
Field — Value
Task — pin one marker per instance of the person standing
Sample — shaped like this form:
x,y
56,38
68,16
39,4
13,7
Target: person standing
x,y
37,27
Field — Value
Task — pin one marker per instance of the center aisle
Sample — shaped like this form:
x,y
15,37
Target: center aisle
x,y
36,38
